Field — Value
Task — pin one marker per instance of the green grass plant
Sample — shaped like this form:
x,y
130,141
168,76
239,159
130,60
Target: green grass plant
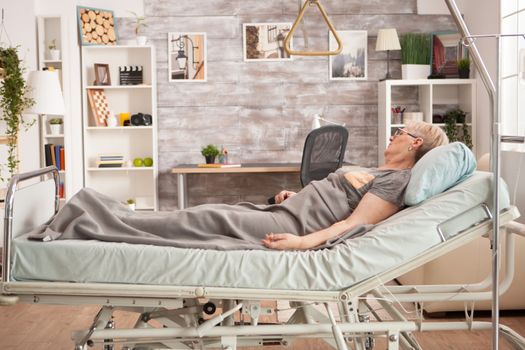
x,y
415,48
464,63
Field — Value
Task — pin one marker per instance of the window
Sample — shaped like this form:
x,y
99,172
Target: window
x,y
513,70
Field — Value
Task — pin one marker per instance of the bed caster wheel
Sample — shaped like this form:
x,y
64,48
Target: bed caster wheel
x,y
209,308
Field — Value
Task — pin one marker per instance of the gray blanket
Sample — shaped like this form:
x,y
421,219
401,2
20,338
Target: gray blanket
x,y
91,215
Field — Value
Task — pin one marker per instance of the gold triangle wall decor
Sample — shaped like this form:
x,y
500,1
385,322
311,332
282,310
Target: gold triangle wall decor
x,y
296,24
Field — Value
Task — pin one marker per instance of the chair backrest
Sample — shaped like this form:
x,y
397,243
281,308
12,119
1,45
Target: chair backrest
x,y
323,153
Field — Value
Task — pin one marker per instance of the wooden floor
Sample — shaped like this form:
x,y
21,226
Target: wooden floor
x,y
44,327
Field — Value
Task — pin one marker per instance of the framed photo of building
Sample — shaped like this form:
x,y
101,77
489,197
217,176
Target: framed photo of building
x,y
265,41
187,57
446,52
351,63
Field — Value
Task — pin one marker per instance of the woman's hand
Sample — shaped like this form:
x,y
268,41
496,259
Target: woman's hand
x,y
282,196
284,241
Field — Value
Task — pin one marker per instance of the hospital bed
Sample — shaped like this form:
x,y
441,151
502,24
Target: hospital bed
x,y
212,299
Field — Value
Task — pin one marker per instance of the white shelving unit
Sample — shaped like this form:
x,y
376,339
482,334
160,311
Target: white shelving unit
x,y
51,28
435,96
122,183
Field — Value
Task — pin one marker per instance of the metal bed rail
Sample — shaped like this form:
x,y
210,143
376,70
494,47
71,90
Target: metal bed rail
x,y
9,204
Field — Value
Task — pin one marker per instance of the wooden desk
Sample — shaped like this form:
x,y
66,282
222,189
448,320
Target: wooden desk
x,y
183,169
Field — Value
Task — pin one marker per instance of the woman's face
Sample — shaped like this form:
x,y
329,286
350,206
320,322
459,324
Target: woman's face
x,y
400,142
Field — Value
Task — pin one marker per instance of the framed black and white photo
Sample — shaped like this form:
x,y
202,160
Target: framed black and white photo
x,y
351,63
265,41
187,57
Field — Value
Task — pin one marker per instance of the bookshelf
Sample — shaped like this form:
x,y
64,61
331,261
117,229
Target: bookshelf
x,y
51,30
434,96
129,142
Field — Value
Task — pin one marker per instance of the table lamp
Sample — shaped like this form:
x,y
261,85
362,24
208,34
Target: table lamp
x,y
387,40
44,89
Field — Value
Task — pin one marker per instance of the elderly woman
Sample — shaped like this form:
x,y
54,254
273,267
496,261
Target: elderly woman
x,y
320,211
364,197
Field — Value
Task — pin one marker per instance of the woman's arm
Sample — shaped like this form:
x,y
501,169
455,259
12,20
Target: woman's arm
x,y
370,210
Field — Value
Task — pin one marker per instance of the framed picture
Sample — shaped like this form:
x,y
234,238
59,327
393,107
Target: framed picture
x,y
445,53
102,76
96,26
351,63
187,57
265,41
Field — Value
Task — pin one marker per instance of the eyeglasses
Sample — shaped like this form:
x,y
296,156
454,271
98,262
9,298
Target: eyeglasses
x,y
400,131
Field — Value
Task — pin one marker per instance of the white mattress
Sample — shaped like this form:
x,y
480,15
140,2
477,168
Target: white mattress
x,y
390,243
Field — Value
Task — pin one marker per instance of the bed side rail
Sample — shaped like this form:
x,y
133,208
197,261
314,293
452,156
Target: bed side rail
x,y
28,216
477,230
463,221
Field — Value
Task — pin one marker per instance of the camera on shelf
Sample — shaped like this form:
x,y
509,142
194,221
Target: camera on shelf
x,y
141,119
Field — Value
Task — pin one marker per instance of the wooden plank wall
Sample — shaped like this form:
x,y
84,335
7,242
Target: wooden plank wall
x,y
262,111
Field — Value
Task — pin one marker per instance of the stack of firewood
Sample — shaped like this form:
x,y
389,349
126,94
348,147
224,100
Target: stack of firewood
x,y
98,27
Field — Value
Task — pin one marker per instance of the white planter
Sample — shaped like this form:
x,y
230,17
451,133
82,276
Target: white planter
x,y
415,71
142,40
131,206
54,55
56,129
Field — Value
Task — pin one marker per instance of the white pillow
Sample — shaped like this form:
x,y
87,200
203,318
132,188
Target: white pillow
x,y
438,170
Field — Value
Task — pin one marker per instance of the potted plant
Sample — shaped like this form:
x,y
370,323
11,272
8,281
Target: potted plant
x,y
464,68
131,203
13,102
452,118
55,126
54,53
140,22
210,152
415,55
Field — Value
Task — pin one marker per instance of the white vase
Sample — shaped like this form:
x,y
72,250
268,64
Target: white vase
x,y
56,129
54,55
142,40
131,206
415,71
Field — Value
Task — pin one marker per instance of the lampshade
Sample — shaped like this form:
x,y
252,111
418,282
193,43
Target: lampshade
x,y
44,89
387,39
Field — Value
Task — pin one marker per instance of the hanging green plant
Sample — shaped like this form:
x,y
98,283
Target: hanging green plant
x,y
13,102
452,118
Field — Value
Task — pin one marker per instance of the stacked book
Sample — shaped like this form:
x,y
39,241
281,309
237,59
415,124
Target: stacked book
x,y
110,161
54,155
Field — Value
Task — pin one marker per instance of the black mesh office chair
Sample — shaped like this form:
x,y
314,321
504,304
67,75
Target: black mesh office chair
x,y
323,153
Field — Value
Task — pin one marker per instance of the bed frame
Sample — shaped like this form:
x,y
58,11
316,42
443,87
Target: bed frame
x,y
211,317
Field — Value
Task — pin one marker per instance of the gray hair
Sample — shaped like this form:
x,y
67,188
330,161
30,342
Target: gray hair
x,y
432,136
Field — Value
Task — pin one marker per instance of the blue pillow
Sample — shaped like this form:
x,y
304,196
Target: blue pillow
x,y
438,170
